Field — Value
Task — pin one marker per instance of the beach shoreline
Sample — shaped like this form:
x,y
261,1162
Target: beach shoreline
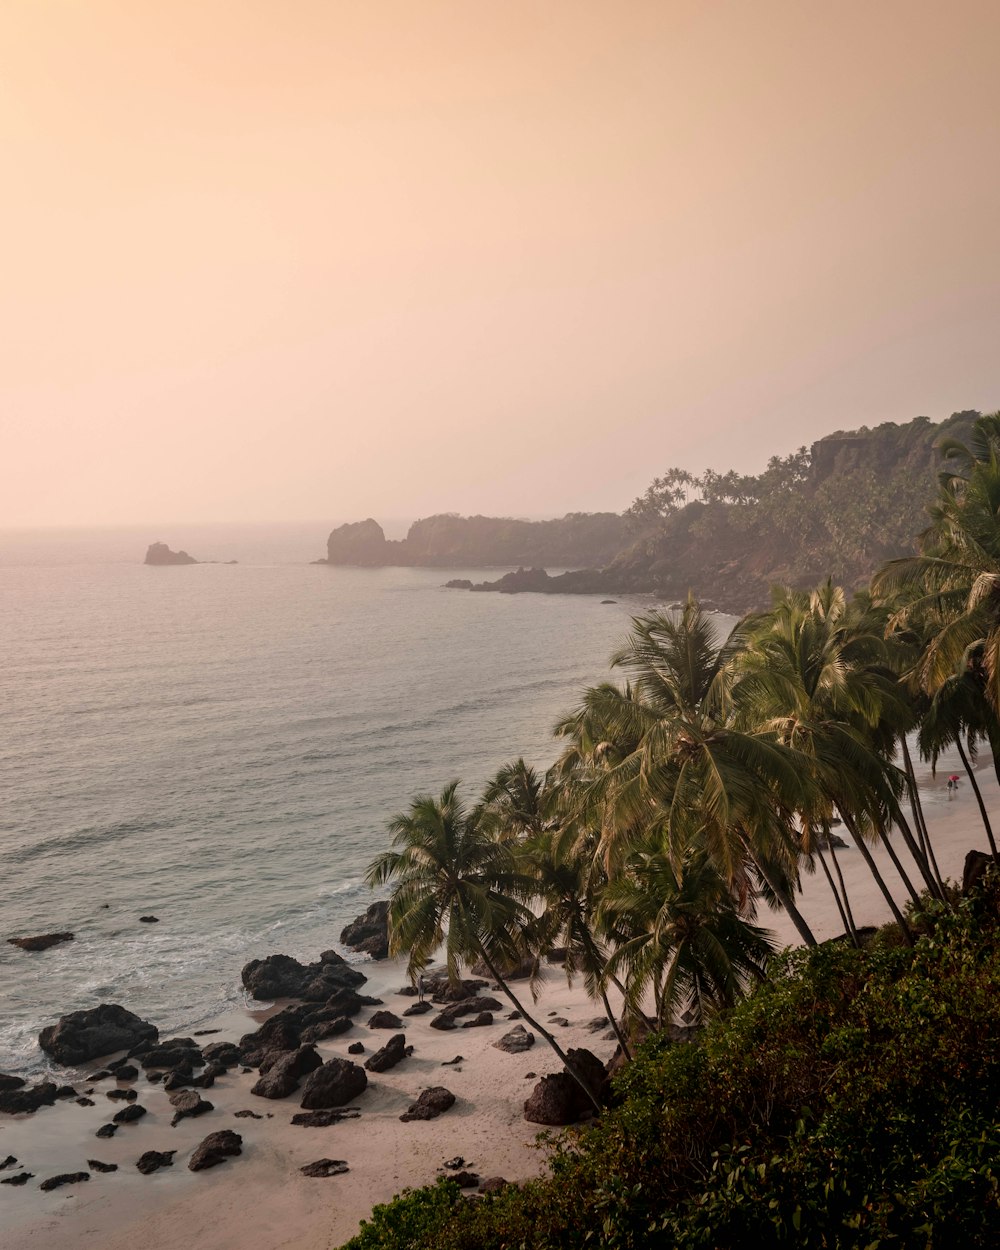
x,y
261,1201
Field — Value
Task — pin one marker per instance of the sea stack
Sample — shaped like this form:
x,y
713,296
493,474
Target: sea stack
x,y
160,553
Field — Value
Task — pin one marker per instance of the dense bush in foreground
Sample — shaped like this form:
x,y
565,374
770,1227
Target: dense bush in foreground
x,y
853,1101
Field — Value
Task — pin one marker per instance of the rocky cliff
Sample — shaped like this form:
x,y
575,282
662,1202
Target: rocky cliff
x,y
160,553
448,541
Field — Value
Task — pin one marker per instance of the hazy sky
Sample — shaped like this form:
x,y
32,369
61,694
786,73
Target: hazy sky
x,y
270,259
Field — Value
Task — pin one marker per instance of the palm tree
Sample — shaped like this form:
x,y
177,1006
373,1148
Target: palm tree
x,y
956,575
685,941
513,802
456,884
569,881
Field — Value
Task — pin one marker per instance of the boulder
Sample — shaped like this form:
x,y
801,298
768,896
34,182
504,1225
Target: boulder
x,y
121,1095
335,1084
84,1035
42,942
179,1054
323,1119
419,1009
224,1054
976,866
96,1165
527,967
107,1130
484,1018
247,1115
443,990
64,1178
282,1077
431,1103
21,1178
327,1028
281,976
391,1053
325,1167
187,1104
152,1160
9,1162
385,1020
126,1072
447,1018
516,1041
552,1101
15,1101
493,1185
149,919
129,1114
356,1048
215,1149
466,1180
8,1082
370,932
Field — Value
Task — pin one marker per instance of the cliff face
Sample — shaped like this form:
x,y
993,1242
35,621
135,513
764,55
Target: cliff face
x,y
448,541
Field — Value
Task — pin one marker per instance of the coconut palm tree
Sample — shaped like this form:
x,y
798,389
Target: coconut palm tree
x,y
456,884
513,802
686,942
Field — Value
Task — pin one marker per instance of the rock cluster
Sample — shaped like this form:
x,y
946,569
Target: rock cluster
x,y
281,976
84,1035
369,932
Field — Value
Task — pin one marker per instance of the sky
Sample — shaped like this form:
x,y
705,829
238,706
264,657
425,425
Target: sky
x,y
290,259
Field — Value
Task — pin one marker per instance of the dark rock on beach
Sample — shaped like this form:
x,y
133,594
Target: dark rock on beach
x,y
129,1114
419,1009
393,1052
447,1019
284,1073
149,920
431,1103
385,1020
247,1115
64,1178
325,1167
558,1099
280,976
21,1178
356,1048
516,1041
327,1028
323,1119
42,942
84,1035
335,1084
8,1082
16,1101
9,1162
186,1103
484,1018
466,1180
215,1149
370,932
121,1095
152,1160
96,1165
224,1054
107,1130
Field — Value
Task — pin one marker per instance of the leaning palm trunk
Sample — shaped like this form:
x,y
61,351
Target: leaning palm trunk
x,y
595,959
852,925
783,896
859,842
911,846
919,817
848,927
979,798
564,1058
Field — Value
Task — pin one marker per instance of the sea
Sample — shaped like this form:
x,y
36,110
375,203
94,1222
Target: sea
x,y
222,746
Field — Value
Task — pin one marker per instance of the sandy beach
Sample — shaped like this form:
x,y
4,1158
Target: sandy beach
x,y
261,1201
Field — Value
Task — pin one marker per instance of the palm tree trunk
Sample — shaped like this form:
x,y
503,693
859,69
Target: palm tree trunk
x,y
979,798
843,889
859,842
848,929
901,822
785,898
919,817
564,1058
595,962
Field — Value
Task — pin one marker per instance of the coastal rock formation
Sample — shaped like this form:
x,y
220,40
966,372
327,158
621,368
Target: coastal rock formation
x,y
360,543
448,1018
160,553
369,932
516,1041
477,1022
295,1026
335,1084
96,1165
187,1104
215,1149
64,1178
19,1100
558,1099
280,976
8,1082
325,1167
385,1020
129,1114
282,1076
42,942
431,1103
152,1160
84,1035
393,1052
419,1009
323,1119
179,1054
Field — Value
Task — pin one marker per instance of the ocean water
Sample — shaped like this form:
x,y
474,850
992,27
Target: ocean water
x,y
222,747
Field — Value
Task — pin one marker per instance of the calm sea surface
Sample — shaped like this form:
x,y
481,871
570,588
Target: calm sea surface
x,y
222,746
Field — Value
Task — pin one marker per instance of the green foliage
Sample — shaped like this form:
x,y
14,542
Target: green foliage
x,y
851,1102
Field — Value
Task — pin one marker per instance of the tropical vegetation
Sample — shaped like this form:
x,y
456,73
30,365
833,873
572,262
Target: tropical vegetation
x,y
845,1095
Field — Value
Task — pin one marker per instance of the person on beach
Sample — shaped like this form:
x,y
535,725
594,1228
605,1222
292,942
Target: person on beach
x,y
953,781
420,988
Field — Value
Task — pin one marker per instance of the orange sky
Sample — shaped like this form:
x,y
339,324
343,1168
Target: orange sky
x,y
269,259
